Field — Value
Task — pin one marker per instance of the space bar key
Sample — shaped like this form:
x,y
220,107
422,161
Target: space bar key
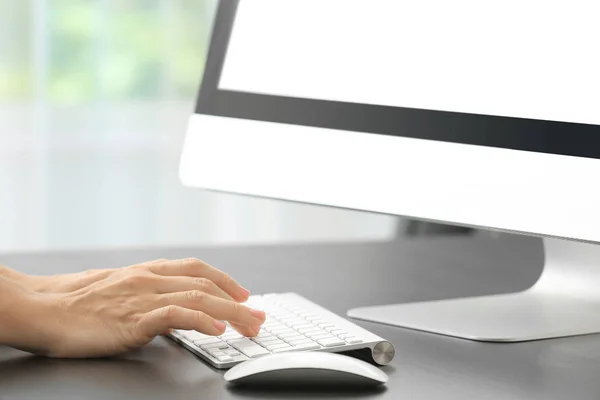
x,y
254,351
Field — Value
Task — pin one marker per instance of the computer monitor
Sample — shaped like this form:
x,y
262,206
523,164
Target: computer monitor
x,y
483,114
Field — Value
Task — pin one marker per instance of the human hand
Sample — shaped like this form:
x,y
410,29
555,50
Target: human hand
x,y
130,306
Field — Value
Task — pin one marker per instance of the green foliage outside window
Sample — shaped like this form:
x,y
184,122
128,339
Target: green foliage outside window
x,y
74,51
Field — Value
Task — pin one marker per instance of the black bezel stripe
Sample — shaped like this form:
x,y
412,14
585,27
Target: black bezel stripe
x,y
582,140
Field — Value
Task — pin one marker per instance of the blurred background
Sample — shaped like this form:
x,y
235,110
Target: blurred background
x,y
94,101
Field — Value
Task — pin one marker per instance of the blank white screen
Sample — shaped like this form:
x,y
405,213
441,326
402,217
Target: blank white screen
x,y
520,58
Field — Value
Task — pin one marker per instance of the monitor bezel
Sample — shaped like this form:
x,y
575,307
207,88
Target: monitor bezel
x,y
552,137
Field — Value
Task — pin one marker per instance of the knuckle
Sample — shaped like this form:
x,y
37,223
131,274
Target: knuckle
x,y
139,279
204,284
228,280
236,307
135,280
139,269
169,313
191,261
196,296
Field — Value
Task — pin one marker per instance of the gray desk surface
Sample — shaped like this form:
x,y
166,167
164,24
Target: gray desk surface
x,y
338,276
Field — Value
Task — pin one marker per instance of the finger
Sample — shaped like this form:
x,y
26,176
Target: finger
x,y
162,320
248,331
173,284
193,267
216,307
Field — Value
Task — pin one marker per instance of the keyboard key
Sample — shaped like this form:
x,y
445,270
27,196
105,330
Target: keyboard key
x,y
307,315
266,343
347,335
273,325
272,322
231,335
283,315
326,325
214,347
277,332
331,342
278,346
306,346
207,341
292,319
319,321
266,340
254,351
263,335
216,353
309,329
276,310
299,342
353,340
225,358
271,329
242,339
194,335
314,318
294,338
303,325
324,336
282,350
316,333
241,343
287,334
338,332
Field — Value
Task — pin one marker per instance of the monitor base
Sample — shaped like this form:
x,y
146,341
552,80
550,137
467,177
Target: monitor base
x,y
565,301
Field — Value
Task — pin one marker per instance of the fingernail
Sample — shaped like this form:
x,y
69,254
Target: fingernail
x,y
219,325
244,292
258,314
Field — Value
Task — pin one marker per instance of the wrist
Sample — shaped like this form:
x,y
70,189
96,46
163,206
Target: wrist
x,y
27,319
12,298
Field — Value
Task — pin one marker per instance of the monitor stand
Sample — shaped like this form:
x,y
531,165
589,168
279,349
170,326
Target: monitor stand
x,y
565,301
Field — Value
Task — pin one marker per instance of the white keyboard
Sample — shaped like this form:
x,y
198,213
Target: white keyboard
x,y
293,324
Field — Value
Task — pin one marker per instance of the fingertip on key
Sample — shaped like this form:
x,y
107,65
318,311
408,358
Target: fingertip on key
x,y
244,293
258,314
219,325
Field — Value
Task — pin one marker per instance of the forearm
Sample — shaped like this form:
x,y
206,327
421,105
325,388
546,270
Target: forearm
x,y
12,275
26,318
12,297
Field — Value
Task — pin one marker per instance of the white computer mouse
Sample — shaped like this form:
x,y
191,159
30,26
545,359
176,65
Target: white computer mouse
x,y
305,368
